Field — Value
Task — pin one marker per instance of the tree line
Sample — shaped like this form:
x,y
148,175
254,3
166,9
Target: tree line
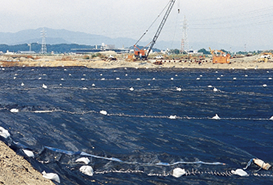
x,y
56,48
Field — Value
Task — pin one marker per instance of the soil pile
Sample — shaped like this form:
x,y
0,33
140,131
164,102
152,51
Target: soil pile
x,y
14,169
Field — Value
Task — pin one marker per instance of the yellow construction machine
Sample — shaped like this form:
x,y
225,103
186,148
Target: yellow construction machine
x,y
219,57
265,57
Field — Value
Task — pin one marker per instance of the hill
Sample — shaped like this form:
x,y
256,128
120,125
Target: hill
x,y
61,36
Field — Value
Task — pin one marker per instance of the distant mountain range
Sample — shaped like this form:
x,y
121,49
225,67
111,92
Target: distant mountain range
x,y
62,36
56,36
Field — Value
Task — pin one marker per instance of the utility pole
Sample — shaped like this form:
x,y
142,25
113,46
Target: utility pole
x,y
29,46
43,35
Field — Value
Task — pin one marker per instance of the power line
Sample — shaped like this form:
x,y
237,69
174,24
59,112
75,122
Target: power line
x,y
255,17
264,12
151,24
234,26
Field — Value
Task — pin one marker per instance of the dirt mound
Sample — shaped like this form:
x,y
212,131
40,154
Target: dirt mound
x,y
14,169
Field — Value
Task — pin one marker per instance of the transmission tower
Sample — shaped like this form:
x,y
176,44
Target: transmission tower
x,y
43,35
184,42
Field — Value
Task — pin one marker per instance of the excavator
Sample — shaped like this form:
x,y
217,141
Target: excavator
x,y
219,57
143,53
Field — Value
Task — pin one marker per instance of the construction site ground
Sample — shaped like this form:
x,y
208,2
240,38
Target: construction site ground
x,y
120,61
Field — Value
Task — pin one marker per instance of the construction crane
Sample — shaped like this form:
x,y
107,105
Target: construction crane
x,y
142,53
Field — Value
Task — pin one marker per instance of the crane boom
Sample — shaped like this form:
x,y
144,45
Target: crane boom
x,y
141,53
161,26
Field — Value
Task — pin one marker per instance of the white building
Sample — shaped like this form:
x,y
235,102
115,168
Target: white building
x,y
9,53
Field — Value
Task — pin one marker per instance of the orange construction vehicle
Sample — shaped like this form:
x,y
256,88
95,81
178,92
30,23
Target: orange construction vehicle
x,y
220,57
144,53
140,53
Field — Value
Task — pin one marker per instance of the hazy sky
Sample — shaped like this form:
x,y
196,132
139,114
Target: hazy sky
x,y
237,23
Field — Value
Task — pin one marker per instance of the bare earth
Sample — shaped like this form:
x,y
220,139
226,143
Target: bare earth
x,y
121,62
14,169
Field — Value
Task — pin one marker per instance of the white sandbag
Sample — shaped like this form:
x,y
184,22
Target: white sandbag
x,y
28,153
44,86
87,170
216,117
14,110
172,117
4,133
103,112
178,172
52,176
85,160
239,172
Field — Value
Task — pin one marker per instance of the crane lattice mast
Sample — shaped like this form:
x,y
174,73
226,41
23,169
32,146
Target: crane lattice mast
x,y
161,26
140,53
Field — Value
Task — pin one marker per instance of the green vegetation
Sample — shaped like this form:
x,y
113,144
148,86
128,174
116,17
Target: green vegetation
x,y
68,48
56,48
86,57
204,51
174,51
96,55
